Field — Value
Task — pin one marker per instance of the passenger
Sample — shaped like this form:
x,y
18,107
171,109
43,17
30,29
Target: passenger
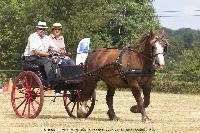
x,y
37,49
58,39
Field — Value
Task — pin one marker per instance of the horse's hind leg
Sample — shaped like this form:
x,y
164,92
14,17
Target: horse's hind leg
x,y
137,94
109,101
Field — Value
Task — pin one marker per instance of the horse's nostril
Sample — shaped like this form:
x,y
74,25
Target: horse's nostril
x,y
162,66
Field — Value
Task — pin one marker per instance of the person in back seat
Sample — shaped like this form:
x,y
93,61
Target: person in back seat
x,y
37,49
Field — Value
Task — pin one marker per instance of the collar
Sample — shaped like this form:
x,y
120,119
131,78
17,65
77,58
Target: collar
x,y
53,37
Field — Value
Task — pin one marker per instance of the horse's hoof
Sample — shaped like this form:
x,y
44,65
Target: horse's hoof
x,y
112,117
135,109
115,118
82,112
146,120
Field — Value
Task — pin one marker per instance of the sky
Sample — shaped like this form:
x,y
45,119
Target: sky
x,y
182,19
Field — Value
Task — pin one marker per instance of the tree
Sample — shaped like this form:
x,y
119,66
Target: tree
x,y
128,20
189,64
107,23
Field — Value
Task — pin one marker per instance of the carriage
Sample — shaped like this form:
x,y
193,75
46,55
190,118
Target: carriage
x,y
131,67
29,87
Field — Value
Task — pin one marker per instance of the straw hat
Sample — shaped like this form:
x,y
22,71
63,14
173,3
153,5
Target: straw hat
x,y
57,25
42,25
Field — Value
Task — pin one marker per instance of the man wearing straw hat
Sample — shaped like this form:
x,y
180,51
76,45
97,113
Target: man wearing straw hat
x,y
37,49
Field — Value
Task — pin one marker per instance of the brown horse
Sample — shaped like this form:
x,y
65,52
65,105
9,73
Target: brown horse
x,y
132,67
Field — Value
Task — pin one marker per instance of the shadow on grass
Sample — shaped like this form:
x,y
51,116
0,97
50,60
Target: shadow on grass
x,y
53,116
108,120
67,117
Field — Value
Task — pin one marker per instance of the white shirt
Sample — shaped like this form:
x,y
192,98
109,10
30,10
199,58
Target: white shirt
x,y
35,42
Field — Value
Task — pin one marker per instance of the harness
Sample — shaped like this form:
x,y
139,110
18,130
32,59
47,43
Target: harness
x,y
117,64
130,71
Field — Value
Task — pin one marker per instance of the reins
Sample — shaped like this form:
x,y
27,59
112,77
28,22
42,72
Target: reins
x,y
142,54
118,62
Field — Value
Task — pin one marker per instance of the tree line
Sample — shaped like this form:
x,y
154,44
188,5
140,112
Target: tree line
x,y
182,72
108,24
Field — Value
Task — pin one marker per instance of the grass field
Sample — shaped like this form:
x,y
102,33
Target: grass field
x,y
169,113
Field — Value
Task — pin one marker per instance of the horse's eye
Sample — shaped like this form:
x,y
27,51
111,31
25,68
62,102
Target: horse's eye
x,y
165,49
153,48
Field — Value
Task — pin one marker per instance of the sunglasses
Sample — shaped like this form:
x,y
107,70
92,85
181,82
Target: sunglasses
x,y
43,29
57,29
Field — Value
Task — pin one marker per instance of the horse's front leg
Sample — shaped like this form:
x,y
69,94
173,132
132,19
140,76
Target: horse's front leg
x,y
146,93
109,101
137,94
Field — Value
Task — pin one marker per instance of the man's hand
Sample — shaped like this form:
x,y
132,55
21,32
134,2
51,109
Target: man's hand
x,y
61,52
40,53
68,54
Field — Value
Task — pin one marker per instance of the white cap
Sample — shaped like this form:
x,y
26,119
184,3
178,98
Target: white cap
x,y
42,25
57,25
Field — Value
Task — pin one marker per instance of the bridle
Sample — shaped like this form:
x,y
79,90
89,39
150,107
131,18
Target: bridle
x,y
153,54
159,40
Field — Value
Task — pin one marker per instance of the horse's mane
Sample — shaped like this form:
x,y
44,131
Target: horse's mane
x,y
139,45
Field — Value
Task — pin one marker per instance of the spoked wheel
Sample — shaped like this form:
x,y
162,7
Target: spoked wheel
x,y
27,95
73,105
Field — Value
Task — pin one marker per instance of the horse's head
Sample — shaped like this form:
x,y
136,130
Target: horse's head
x,y
159,48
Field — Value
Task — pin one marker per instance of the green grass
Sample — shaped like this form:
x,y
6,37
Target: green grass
x,y
169,113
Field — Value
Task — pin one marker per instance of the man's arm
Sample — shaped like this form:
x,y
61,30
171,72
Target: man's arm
x,y
34,47
40,53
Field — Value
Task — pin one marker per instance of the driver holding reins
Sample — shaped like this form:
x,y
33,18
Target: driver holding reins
x,y
37,49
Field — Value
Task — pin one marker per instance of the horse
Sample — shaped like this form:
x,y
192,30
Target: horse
x,y
131,67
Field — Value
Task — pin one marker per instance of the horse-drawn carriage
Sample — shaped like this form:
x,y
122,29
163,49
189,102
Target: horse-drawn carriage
x,y
131,67
27,94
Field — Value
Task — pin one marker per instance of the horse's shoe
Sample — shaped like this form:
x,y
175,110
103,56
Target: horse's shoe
x,y
146,120
82,112
112,117
135,109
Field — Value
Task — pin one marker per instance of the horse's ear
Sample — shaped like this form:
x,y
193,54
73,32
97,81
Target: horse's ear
x,y
152,34
162,33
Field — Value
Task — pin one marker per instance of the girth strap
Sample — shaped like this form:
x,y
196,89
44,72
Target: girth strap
x,y
140,72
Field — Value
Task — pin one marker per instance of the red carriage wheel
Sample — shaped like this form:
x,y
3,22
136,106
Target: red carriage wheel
x,y
72,103
27,95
